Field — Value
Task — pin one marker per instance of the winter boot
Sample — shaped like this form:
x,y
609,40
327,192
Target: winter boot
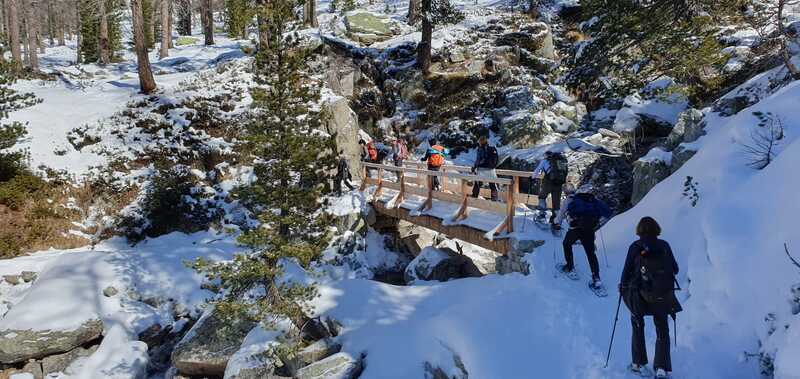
x,y
633,367
661,374
569,272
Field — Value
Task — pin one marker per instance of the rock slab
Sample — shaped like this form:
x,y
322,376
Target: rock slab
x,y
21,345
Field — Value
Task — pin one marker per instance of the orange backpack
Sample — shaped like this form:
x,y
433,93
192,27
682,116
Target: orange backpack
x,y
436,158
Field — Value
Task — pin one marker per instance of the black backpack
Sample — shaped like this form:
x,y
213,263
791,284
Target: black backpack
x,y
559,169
491,157
655,277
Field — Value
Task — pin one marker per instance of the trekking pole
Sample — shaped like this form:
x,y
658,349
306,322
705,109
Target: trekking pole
x,y
613,331
605,255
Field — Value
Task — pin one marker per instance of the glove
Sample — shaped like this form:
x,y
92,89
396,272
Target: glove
x,y
474,171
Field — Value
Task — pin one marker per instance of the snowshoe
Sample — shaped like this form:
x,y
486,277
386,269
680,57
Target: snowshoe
x,y
555,229
640,370
598,288
661,374
572,274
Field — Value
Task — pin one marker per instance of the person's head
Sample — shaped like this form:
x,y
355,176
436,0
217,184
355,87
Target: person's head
x,y
433,142
648,228
569,189
361,142
483,141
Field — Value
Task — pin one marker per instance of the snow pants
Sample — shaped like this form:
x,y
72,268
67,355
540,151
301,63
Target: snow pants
x,y
587,240
639,350
486,173
436,186
549,189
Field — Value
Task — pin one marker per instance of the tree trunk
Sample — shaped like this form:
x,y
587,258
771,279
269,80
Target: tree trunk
x,y
310,13
171,9
165,32
424,48
208,21
185,17
533,8
13,32
51,23
61,18
3,18
78,35
102,34
151,42
30,31
146,80
413,8
263,30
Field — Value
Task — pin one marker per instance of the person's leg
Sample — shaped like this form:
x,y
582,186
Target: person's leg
x,y
638,347
493,189
349,184
569,240
587,240
544,191
662,359
337,185
556,199
435,178
476,189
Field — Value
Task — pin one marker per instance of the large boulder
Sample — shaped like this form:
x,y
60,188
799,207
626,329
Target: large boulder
x,y
681,155
440,265
690,128
337,366
368,28
315,352
21,345
514,261
206,349
731,105
414,238
344,123
648,171
535,38
521,130
60,362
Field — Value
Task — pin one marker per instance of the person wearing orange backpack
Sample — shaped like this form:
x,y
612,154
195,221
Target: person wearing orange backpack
x,y
369,153
435,157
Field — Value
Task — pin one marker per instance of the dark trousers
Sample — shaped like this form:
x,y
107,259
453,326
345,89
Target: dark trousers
x,y
639,350
435,178
476,190
553,190
587,240
337,184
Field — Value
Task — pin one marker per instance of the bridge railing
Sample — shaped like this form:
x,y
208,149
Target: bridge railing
x,y
455,187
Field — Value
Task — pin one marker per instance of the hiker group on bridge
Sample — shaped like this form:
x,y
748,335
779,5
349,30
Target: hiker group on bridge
x,y
648,278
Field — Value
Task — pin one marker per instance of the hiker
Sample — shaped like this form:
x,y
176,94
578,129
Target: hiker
x,y
585,213
485,163
369,153
647,286
399,152
553,170
435,158
342,175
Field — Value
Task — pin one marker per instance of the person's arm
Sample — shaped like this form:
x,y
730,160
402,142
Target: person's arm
x,y
675,267
627,271
562,213
427,155
541,168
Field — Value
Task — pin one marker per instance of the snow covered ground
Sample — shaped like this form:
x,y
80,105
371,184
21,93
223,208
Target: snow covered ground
x,y
729,246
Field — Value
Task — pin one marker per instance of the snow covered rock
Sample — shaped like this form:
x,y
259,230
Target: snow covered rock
x,y
731,105
60,362
315,352
651,112
320,328
514,261
12,279
414,238
21,345
440,265
689,128
207,347
337,366
649,171
681,155
536,38
368,28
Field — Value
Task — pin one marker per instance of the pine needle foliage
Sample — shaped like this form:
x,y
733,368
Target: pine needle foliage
x,y
90,27
293,163
11,162
634,42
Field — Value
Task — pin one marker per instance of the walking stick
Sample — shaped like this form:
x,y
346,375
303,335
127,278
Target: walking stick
x,y
603,240
613,331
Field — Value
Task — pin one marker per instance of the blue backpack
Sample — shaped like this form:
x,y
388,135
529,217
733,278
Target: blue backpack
x,y
586,211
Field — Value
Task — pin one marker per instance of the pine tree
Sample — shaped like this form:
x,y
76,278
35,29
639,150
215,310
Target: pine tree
x,y
238,15
11,162
90,29
293,162
634,42
432,13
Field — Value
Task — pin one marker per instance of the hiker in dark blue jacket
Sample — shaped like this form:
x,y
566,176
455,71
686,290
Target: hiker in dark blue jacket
x,y
585,214
647,286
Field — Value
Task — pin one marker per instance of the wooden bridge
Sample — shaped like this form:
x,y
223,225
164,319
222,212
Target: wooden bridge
x,y
407,193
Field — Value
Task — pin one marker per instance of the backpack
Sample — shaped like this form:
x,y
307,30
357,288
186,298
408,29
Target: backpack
x,y
402,150
584,211
491,157
654,278
437,154
372,151
559,169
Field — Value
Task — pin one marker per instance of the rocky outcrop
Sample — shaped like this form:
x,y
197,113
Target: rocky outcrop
x,y
60,362
514,261
344,123
681,155
337,366
649,171
535,38
369,28
414,238
315,352
729,106
21,345
440,265
207,347
690,127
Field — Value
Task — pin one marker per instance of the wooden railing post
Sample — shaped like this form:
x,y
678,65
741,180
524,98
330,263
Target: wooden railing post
x,y
401,197
428,204
463,211
513,188
378,190
365,180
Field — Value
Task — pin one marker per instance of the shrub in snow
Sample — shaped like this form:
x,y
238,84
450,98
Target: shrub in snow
x,y
764,141
690,191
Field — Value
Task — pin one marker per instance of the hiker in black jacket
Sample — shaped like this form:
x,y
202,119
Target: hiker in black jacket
x,y
485,163
342,175
647,286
